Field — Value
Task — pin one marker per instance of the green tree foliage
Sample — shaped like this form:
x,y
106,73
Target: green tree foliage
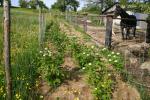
x,y
42,5
33,4
108,3
99,5
23,3
1,2
74,4
140,7
92,9
63,4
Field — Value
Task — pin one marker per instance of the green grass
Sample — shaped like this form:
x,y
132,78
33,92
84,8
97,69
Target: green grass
x,y
24,48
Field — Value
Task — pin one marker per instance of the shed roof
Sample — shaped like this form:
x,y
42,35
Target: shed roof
x,y
110,9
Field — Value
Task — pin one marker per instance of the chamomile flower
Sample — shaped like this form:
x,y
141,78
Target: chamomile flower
x,y
83,68
116,61
112,53
109,55
114,56
88,54
109,60
118,53
46,48
41,96
41,51
92,46
109,74
90,64
103,49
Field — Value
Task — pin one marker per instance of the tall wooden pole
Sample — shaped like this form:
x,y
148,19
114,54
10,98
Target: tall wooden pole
x,y
85,22
148,32
108,35
7,49
40,27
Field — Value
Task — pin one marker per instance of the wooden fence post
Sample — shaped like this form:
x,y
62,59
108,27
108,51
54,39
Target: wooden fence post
x,y
43,27
108,35
148,32
76,20
85,23
40,27
7,49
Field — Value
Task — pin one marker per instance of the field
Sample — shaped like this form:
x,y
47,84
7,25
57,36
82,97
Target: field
x,y
69,66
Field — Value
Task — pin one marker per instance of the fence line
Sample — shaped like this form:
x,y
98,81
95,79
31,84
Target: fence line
x,y
108,39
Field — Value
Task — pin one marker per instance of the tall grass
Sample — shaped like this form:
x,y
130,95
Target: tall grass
x,y
24,47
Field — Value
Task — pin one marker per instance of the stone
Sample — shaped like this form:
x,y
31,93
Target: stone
x,y
134,62
140,49
146,65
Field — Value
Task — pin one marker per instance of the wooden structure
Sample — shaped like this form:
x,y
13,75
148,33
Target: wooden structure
x,y
108,35
7,49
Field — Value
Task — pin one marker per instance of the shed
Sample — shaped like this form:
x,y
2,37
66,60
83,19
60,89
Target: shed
x,y
116,22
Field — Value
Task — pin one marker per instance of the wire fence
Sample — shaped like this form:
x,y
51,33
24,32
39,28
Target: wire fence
x,y
135,51
28,33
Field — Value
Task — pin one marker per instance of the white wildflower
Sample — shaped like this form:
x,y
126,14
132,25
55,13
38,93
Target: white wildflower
x,y
109,60
41,51
46,48
83,68
49,54
92,46
112,53
96,54
84,53
116,61
88,54
114,56
95,88
109,55
44,55
41,96
118,53
104,49
90,64
109,74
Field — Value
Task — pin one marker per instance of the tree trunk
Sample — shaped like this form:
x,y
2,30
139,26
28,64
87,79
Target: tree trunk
x,y
7,49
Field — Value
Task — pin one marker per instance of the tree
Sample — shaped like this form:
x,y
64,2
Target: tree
x,y
23,3
74,4
124,3
102,4
1,2
32,4
42,5
62,5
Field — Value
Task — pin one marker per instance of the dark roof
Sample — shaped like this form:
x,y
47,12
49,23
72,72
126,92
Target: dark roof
x,y
103,12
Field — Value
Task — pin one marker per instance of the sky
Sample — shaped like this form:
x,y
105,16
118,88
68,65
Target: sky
x,y
47,2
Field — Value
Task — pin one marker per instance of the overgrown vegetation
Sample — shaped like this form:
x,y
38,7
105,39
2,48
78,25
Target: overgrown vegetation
x,y
24,47
89,59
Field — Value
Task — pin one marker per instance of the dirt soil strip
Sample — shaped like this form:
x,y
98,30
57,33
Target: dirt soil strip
x,y
77,88
128,92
